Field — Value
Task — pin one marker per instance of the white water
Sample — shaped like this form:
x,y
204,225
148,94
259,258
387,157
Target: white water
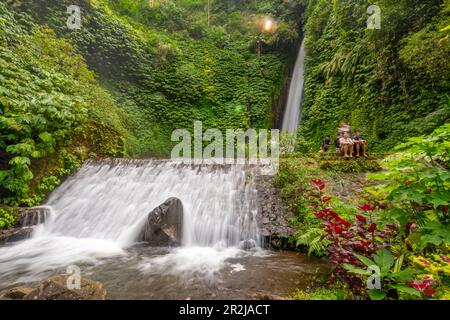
x,y
292,112
100,211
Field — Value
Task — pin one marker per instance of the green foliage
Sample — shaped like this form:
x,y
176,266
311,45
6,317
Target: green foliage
x,y
411,233
391,278
167,68
8,217
318,294
418,191
46,95
419,179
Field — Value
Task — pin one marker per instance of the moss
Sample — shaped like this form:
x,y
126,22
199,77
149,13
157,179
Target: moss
x,y
8,217
102,139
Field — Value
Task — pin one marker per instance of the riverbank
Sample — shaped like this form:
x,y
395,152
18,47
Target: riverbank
x,y
391,214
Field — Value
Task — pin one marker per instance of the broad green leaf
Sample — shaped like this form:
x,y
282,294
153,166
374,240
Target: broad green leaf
x,y
365,260
406,289
445,176
19,161
431,238
398,263
3,175
405,275
435,228
353,269
440,198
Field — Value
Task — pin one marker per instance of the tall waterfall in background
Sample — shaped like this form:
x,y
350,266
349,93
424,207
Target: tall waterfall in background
x,y
99,211
292,112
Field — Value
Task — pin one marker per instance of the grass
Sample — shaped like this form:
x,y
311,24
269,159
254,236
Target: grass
x,y
319,293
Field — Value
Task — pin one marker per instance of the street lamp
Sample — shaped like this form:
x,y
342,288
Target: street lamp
x,y
269,25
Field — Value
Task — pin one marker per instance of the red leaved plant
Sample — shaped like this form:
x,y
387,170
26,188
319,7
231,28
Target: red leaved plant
x,y
361,236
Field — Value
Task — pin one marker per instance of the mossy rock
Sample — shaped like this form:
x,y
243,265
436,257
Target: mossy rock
x,y
350,165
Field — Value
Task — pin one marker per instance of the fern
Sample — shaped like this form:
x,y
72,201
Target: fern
x,y
313,238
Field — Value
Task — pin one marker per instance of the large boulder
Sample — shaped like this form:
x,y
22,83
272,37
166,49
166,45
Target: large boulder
x,y
56,288
163,226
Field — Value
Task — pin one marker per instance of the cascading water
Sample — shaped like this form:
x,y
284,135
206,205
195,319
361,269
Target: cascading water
x,y
292,112
99,212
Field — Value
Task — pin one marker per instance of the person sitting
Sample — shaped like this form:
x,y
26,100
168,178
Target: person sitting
x,y
336,141
325,145
346,144
360,143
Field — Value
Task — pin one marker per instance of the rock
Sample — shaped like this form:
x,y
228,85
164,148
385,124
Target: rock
x,y
28,217
17,293
55,288
273,219
16,234
164,224
33,216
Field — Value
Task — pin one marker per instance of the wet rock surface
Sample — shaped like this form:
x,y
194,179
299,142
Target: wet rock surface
x,y
16,234
273,218
33,216
27,219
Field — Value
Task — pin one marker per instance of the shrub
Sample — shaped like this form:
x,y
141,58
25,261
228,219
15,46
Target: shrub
x,y
8,217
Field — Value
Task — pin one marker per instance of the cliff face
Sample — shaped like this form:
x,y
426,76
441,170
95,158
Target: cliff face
x,y
279,104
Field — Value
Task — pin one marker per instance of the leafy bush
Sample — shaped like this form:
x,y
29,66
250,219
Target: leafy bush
x,y
8,218
419,178
46,95
165,78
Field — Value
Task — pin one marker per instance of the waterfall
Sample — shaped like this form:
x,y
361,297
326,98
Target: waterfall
x,y
99,211
292,111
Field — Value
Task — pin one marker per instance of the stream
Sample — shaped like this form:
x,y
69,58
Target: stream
x,y
97,214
